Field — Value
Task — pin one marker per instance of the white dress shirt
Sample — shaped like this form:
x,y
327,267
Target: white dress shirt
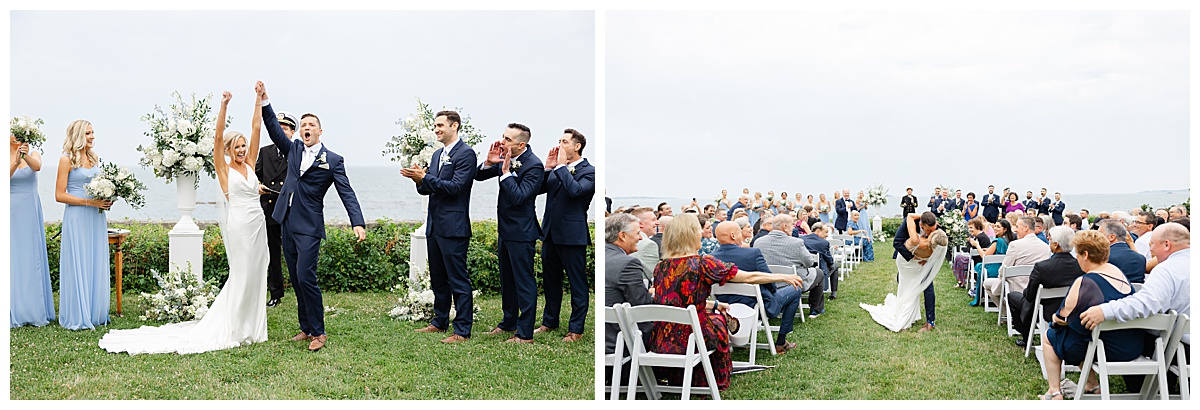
x,y
446,151
572,165
1142,244
1167,287
310,155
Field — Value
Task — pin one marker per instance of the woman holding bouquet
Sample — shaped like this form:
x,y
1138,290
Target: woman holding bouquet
x,y
863,217
30,294
823,209
83,259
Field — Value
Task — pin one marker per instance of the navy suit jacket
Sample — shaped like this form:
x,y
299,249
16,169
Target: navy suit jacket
x,y
516,213
1056,212
843,214
1031,204
958,203
735,207
991,204
820,247
1131,263
449,190
1044,206
747,259
568,198
901,237
939,202
306,193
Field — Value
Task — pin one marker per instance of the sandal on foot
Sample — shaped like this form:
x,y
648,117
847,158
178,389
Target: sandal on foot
x,y
1050,396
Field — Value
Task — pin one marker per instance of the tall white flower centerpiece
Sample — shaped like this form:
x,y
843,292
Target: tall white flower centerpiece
x,y
181,147
877,198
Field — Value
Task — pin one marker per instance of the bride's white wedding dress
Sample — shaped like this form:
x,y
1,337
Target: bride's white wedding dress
x,y
901,309
238,316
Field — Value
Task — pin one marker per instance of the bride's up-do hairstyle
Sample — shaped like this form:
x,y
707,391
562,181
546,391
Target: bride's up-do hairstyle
x,y
938,238
231,138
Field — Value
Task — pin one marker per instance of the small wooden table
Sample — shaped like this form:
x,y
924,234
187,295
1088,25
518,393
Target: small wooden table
x,y
118,238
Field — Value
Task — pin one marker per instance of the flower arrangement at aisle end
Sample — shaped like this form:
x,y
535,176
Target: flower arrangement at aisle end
x,y
955,226
415,146
26,130
182,139
116,182
417,303
181,296
877,196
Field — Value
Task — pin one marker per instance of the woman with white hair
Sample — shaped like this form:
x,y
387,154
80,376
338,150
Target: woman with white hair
x,y
83,253
862,236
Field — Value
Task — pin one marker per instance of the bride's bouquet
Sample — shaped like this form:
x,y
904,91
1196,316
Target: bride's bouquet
x,y
182,139
26,130
116,182
877,196
415,146
181,296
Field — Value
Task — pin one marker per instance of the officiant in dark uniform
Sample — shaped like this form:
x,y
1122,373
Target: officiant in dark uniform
x,y
271,170
908,202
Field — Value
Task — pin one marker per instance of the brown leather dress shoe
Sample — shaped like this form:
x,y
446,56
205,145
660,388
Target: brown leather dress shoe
x,y
301,337
498,331
430,329
543,328
317,343
455,338
925,328
784,348
515,339
572,337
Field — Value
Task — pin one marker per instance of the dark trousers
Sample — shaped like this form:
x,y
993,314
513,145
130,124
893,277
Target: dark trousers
x,y
301,253
832,278
449,279
275,268
1021,312
930,298
816,296
557,259
991,217
518,288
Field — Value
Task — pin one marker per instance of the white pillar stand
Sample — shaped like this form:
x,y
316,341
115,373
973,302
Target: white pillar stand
x,y
877,223
186,239
418,248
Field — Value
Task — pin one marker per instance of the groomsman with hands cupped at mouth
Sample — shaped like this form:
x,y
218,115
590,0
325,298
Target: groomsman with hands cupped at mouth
x,y
569,186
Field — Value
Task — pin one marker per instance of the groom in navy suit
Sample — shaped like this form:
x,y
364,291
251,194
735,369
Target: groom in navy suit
x,y
300,212
569,187
521,175
928,225
448,228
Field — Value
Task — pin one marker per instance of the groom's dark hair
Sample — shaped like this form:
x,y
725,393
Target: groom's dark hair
x,y
452,116
578,138
314,116
928,219
524,135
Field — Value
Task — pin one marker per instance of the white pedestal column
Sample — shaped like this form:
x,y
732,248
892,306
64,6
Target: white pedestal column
x,y
418,249
186,238
877,223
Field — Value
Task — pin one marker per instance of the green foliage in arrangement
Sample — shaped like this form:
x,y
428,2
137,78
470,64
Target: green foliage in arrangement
x,y
377,264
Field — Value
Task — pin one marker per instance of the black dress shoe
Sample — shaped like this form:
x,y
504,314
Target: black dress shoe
x,y
1021,343
833,296
273,302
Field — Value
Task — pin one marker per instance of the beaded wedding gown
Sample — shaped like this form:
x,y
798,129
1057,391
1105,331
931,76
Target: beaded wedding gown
x,y
901,309
238,316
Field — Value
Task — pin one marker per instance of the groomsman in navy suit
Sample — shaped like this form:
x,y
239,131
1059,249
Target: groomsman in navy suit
x,y
842,207
1043,206
1030,203
520,173
569,187
300,212
991,205
1057,208
448,228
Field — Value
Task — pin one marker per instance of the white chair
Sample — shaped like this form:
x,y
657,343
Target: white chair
x,y
1008,273
841,257
983,298
1176,359
1036,324
615,359
853,252
971,269
790,270
763,323
1155,366
649,385
696,353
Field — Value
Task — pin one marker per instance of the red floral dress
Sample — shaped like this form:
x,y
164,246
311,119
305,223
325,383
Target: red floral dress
x,y
687,281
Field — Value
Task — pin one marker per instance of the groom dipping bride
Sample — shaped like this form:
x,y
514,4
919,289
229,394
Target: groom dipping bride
x,y
921,256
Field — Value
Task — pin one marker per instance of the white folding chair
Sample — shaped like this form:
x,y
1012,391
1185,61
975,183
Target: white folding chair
x,y
841,253
1008,273
1036,324
649,384
983,298
763,323
971,269
1176,359
790,270
1155,366
696,353
616,359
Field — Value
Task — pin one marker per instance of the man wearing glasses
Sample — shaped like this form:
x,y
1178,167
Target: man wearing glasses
x,y
1143,226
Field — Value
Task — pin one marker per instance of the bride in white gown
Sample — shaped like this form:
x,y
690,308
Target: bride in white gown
x,y
238,316
901,309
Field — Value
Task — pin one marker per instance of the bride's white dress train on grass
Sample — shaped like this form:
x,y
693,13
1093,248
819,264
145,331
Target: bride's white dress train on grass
x,y
238,316
901,309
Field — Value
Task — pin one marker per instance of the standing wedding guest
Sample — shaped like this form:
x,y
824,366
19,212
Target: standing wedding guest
x,y
958,200
83,258
970,208
1012,204
933,200
724,203
823,209
740,204
1043,206
908,202
991,205
864,216
1029,202
569,187
843,206
1056,209
271,170
809,202
31,299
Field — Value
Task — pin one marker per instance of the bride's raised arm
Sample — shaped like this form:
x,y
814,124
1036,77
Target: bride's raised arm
x,y
913,219
219,164
255,128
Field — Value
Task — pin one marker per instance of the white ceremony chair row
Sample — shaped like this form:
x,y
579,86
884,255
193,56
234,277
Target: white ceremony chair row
x,y
696,353
1003,318
790,270
841,256
1155,366
617,361
971,279
762,324
1177,360
1036,324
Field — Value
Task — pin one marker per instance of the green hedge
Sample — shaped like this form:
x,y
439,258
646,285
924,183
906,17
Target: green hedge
x,y
376,264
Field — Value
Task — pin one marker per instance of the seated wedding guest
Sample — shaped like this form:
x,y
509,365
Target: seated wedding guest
x,y
1012,217
1143,226
1131,263
647,249
1027,250
1163,213
1176,212
763,229
1083,220
780,249
747,230
817,243
1041,224
1073,221
31,298
982,240
709,211
1167,288
998,246
1060,270
664,209
623,281
1013,204
861,236
741,213
708,244
1067,339
683,279
1100,217
783,301
812,215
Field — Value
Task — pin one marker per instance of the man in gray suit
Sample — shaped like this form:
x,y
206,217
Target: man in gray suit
x,y
647,249
779,248
622,275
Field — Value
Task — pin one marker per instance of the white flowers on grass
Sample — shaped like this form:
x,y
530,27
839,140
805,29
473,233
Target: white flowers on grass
x,y
417,302
416,145
183,139
181,297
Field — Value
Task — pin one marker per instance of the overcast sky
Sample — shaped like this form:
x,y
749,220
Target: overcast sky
x,y
814,101
359,70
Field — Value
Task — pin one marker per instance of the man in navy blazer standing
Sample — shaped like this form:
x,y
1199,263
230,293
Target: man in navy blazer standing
x,y
569,187
843,206
991,205
448,228
520,173
300,212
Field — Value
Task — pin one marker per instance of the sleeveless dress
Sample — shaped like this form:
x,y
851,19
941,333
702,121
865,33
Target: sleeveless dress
x,y
1070,342
83,294
238,316
30,295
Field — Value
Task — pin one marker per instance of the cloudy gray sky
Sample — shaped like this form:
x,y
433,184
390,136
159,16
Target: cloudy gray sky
x,y
816,100
359,70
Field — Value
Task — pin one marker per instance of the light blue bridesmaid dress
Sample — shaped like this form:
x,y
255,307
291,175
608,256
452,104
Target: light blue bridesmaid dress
x,y
30,295
83,265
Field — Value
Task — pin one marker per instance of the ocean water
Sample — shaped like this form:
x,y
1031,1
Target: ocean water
x,y
381,192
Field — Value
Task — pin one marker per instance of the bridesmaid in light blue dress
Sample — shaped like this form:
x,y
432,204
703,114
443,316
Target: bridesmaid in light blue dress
x,y
83,264
863,217
30,295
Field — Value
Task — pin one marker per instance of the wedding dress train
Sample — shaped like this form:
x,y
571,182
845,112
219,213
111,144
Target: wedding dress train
x,y
901,309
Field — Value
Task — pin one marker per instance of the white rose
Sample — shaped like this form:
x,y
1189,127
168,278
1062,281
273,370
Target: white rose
x,y
169,128
123,173
188,148
22,124
169,157
192,164
201,312
205,146
185,127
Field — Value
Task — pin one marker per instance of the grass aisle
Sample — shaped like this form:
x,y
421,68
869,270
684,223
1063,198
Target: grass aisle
x,y
369,356
844,354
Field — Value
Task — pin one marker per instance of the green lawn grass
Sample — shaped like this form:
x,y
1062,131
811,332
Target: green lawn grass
x,y
369,356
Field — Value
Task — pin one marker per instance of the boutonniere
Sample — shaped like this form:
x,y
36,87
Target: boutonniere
x,y
571,169
322,158
515,165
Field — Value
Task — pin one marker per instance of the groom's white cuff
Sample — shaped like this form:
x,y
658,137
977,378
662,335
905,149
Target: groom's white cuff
x,y
266,103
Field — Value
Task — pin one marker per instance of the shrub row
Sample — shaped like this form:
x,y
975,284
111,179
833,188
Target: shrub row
x,y
377,264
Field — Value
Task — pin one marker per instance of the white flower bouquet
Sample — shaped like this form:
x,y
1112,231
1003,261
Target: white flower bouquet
x,y
182,139
415,146
116,182
181,297
955,226
417,303
877,196
26,130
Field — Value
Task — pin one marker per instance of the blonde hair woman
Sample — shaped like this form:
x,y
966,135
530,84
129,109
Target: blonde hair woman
x,y
31,299
83,256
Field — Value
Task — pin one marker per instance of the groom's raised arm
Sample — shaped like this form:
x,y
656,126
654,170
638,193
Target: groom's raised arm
x,y
273,129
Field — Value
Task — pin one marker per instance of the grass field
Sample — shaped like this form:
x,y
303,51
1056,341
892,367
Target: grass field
x,y
369,356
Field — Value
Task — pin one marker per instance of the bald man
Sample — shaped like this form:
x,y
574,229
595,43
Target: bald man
x,y
782,301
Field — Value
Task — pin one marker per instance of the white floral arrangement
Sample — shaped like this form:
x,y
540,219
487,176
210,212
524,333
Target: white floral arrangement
x,y
181,297
116,182
880,236
26,130
417,303
877,196
955,227
182,139
416,145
